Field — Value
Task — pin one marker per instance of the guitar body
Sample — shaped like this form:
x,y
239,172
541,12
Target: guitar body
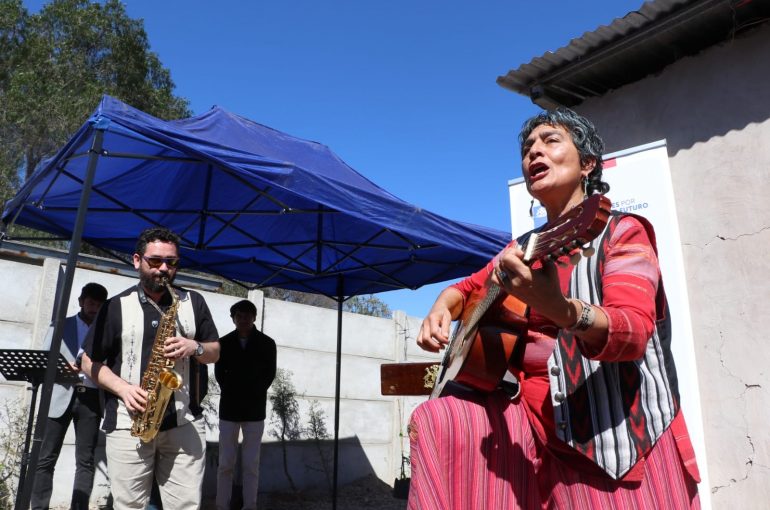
x,y
482,343
478,360
477,356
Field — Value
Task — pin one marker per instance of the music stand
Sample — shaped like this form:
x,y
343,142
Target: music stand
x,y
30,365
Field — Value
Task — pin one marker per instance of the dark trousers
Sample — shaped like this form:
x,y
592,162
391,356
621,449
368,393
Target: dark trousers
x,y
85,412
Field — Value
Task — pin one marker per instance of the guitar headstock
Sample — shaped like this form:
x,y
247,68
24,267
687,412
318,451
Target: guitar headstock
x,y
577,227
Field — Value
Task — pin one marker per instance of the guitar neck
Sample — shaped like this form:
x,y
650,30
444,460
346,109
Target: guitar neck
x,y
477,355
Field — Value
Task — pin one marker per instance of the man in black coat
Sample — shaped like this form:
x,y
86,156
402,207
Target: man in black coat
x,y
245,370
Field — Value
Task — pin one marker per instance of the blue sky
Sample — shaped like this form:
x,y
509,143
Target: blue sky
x,y
403,91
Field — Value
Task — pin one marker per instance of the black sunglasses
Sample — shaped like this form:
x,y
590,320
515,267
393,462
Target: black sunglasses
x,y
156,262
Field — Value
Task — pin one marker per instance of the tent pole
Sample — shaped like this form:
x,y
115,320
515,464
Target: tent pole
x,y
340,287
25,484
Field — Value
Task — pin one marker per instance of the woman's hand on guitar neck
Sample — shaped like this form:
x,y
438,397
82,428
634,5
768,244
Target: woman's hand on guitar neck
x,y
434,332
538,288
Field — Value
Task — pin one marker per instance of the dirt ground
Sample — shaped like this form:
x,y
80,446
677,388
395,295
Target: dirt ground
x,y
369,493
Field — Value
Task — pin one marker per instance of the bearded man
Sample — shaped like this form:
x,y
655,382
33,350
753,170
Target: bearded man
x,y
118,349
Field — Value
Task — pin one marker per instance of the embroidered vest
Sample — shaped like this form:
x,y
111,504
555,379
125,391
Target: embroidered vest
x,y
133,336
612,412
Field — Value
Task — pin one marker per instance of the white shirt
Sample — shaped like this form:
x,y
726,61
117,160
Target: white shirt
x,y
82,330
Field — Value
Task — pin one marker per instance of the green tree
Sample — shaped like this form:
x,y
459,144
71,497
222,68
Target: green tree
x,y
54,68
13,421
12,18
366,304
56,65
295,296
318,433
285,416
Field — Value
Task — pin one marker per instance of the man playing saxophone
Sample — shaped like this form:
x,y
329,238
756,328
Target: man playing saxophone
x,y
141,338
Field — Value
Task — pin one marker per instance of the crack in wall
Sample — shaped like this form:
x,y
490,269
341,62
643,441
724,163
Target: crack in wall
x,y
20,322
723,238
749,464
403,331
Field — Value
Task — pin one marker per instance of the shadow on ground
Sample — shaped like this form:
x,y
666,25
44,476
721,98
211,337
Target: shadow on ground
x,y
369,492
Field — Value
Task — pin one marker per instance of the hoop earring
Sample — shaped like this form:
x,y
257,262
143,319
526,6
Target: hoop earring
x,y
531,206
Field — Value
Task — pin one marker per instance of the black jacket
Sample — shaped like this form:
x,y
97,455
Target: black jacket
x,y
244,375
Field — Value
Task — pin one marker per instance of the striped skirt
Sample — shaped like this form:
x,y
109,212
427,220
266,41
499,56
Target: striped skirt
x,y
478,452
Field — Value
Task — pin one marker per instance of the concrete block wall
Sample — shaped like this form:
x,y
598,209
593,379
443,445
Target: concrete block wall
x,y
369,424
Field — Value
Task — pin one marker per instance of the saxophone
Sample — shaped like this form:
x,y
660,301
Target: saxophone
x,y
159,379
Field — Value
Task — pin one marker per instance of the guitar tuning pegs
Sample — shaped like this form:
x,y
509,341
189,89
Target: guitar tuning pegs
x,y
574,258
588,250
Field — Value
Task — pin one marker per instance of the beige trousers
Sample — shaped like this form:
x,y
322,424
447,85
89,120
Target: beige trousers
x,y
176,457
228,451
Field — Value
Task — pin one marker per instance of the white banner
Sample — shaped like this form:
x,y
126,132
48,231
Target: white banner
x,y
640,183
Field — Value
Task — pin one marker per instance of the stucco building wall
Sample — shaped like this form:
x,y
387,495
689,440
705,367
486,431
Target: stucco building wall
x,y
713,109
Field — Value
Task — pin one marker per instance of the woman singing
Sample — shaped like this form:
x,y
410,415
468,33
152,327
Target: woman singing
x,y
595,421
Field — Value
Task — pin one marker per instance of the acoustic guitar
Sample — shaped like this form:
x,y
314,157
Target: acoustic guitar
x,y
477,354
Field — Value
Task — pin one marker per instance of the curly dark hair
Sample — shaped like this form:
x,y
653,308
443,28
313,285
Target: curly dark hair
x,y
584,135
152,234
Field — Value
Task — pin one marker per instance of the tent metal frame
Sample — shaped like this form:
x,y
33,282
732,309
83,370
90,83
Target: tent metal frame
x,y
24,493
287,271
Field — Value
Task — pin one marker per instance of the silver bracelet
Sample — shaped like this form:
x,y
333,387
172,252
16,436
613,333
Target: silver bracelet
x,y
586,319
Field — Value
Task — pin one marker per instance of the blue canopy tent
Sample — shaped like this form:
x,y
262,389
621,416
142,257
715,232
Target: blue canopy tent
x,y
250,203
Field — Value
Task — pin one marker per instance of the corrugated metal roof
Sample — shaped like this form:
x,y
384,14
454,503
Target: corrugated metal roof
x,y
632,47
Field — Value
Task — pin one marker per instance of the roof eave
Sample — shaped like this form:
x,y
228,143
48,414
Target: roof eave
x,y
637,45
